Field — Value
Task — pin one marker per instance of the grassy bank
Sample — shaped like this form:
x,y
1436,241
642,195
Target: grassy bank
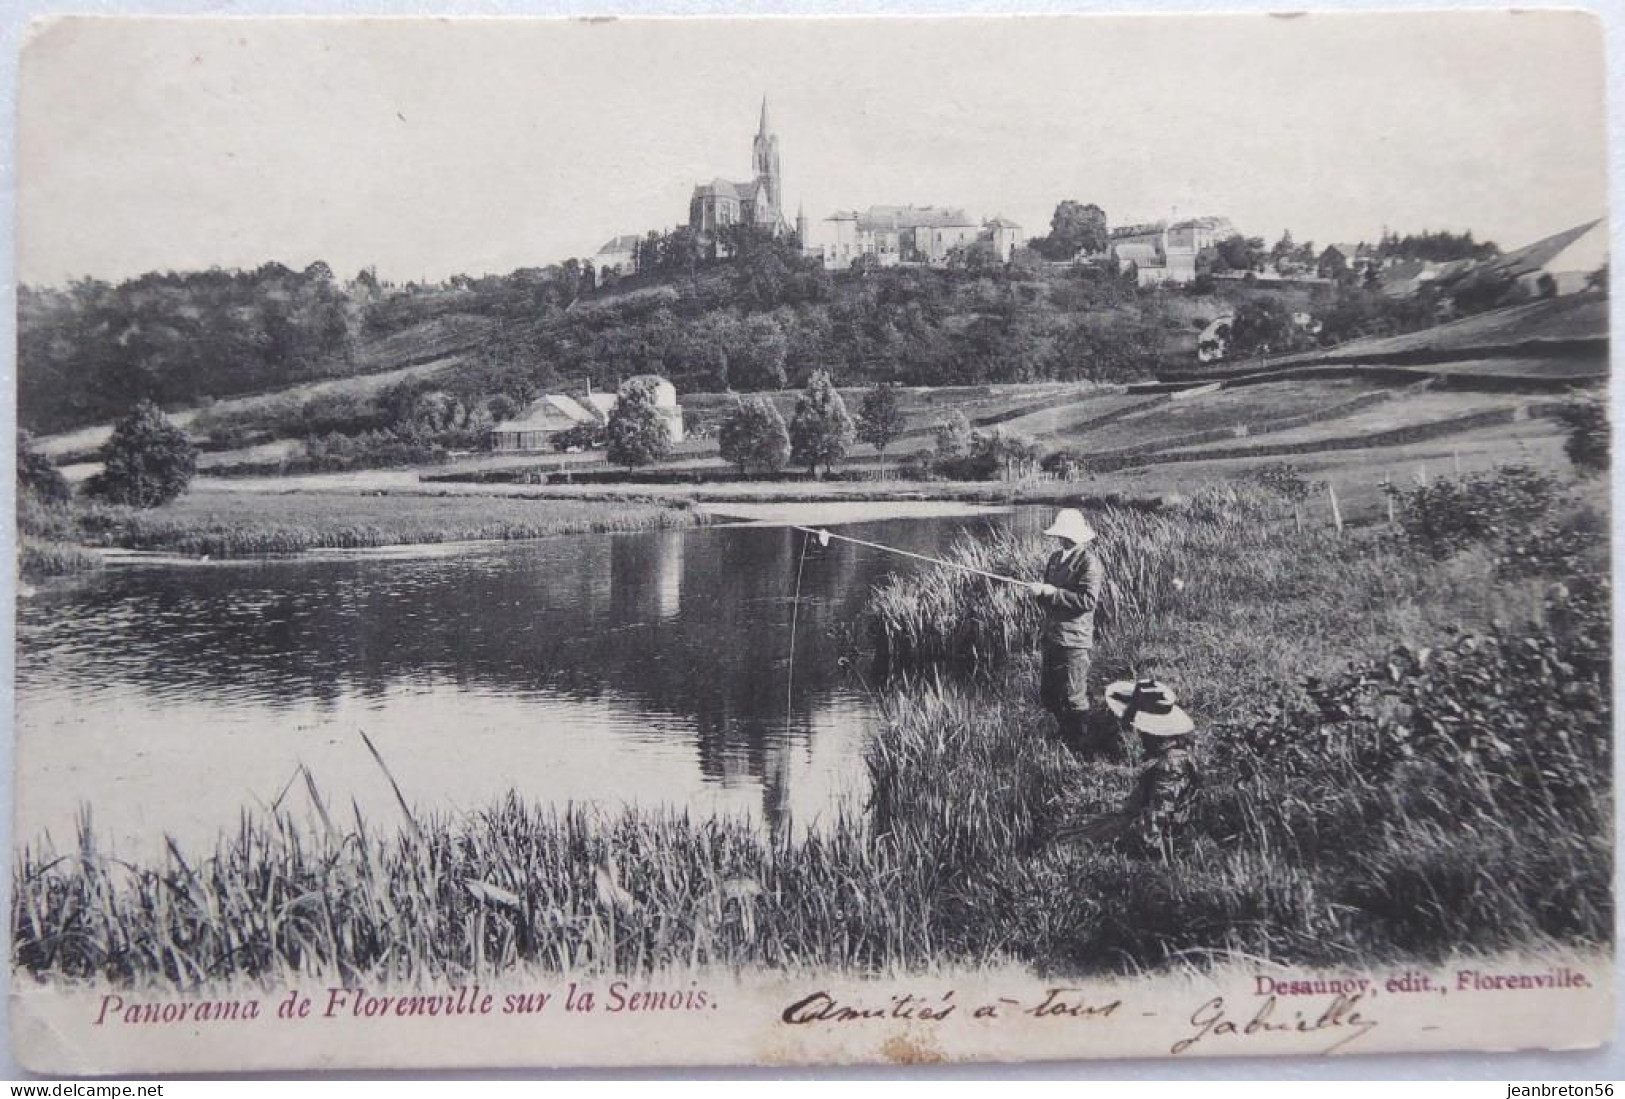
x,y
227,524
1407,755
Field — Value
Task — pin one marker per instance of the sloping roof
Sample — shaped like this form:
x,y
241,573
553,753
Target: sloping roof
x,y
1213,223
723,188
604,403
913,217
1539,255
554,412
1002,222
626,242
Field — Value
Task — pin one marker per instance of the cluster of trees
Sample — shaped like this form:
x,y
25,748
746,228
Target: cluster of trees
x,y
1439,247
754,436
1074,229
87,353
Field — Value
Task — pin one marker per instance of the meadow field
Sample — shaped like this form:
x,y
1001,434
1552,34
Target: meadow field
x,y
1430,779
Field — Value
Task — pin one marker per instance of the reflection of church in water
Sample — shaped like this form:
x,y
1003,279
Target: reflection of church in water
x,y
681,611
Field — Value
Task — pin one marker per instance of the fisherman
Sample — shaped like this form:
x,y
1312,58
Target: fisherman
x,y
1162,798
1069,592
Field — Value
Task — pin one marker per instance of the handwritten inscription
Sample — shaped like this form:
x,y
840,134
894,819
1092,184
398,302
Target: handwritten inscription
x,y
1276,1012
1060,1002
1343,1019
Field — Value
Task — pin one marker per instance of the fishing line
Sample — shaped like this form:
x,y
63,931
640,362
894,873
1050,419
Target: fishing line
x,y
824,536
795,610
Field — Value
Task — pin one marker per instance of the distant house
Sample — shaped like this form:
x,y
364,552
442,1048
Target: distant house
x,y
1567,259
619,255
534,428
896,235
665,403
1164,252
1006,236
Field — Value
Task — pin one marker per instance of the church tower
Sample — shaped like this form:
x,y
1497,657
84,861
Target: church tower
x,y
765,158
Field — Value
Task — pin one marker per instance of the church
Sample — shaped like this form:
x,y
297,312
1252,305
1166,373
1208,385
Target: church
x,y
759,201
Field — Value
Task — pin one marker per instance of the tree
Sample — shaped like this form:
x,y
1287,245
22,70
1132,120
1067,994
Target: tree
x,y
637,431
148,461
1073,229
754,434
1587,444
998,454
952,435
38,476
821,431
880,419
1238,253
1264,326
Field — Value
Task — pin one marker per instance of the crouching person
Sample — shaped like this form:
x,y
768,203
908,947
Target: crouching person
x,y
1161,803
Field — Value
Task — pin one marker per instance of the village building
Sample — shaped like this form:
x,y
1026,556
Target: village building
x,y
1166,252
618,256
897,236
722,203
1006,237
534,428
555,413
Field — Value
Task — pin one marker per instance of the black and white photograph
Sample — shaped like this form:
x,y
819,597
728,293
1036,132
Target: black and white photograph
x,y
806,541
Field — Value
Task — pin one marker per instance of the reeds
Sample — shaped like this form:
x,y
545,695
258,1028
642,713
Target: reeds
x,y
226,525
1315,853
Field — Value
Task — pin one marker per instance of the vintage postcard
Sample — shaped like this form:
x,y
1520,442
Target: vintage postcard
x,y
810,541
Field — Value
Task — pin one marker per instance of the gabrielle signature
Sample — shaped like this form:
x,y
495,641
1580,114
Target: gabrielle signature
x,y
1342,1020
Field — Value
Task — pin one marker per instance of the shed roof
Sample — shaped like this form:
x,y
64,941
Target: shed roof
x,y
553,412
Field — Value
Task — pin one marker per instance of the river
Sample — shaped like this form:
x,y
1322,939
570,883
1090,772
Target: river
x,y
643,669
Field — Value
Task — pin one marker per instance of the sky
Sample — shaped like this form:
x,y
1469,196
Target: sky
x,y
427,147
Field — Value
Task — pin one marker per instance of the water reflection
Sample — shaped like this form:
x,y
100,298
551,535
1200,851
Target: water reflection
x,y
630,669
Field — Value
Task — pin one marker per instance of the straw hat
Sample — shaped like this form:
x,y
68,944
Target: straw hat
x,y
1149,707
1070,523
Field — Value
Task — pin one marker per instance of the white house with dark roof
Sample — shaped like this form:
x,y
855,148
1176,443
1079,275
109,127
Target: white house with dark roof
x,y
895,235
619,255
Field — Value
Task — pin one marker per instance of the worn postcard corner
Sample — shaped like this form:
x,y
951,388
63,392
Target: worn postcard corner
x,y
935,539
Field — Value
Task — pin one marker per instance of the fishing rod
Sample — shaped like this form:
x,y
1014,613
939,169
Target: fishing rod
x,y
824,537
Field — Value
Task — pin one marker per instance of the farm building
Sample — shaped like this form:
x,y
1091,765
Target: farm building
x,y
546,417
556,413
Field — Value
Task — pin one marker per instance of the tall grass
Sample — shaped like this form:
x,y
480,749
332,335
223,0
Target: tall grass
x,y
248,524
1363,803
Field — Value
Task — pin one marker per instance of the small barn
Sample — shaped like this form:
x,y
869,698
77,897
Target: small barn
x,y
534,429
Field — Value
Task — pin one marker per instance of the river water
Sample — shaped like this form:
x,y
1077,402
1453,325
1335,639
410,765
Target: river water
x,y
643,669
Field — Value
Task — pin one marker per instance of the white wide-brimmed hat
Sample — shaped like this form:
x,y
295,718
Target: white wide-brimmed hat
x,y
1070,523
1149,707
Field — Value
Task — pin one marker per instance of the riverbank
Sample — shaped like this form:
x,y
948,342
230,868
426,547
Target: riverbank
x,y
1392,811
63,538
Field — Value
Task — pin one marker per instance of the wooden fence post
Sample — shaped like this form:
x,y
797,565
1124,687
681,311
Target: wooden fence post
x,y
1337,512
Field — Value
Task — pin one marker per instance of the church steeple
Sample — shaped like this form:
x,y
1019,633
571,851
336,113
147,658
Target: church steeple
x,y
765,159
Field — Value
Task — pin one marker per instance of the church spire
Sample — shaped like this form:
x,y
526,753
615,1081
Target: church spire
x,y
761,131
